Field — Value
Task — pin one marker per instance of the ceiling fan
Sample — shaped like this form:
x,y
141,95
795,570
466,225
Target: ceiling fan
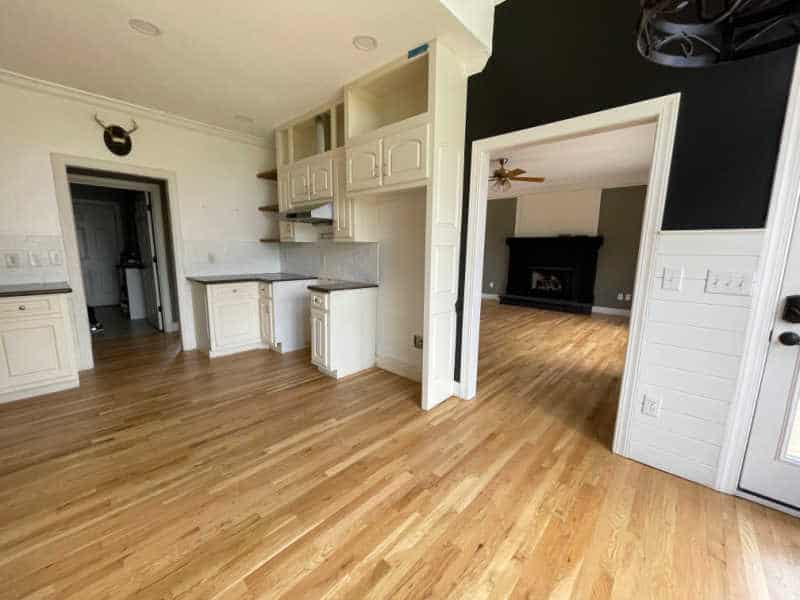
x,y
502,177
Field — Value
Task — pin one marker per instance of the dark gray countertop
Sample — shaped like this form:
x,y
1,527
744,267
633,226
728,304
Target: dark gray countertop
x,y
34,289
337,286
264,277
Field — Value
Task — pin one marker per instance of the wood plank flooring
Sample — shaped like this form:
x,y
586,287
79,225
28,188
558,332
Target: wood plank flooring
x,y
167,475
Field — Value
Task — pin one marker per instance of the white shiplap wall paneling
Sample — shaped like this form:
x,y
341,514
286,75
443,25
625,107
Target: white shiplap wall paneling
x,y
692,354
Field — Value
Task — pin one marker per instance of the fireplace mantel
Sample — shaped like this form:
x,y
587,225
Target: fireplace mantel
x,y
556,273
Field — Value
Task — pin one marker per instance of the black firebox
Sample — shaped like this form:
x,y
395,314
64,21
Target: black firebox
x,y
555,273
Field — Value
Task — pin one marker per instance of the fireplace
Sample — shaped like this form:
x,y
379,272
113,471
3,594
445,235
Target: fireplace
x,y
555,273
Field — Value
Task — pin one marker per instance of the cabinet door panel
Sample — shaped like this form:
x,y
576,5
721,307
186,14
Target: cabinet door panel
x,y
343,207
298,186
364,165
405,156
33,351
267,322
320,342
321,177
237,323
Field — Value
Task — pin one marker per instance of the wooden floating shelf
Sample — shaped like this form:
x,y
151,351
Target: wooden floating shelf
x,y
272,175
269,240
271,208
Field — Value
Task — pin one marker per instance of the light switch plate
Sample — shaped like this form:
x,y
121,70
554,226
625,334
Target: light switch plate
x,y
729,283
672,279
651,406
37,259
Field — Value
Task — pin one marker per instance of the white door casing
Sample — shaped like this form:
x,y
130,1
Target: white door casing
x,y
664,111
147,248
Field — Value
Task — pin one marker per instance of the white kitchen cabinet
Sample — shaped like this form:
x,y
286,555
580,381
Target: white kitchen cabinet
x,y
267,315
343,205
343,325
405,156
298,185
364,165
398,157
235,317
36,350
321,179
283,190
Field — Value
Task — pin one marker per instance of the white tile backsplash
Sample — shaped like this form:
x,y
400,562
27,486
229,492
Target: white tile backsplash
x,y
332,260
219,257
31,259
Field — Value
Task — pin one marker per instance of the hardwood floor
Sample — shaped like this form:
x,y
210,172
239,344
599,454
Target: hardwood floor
x,y
167,475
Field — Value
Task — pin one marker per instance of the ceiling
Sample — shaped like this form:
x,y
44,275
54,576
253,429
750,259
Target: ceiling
x,y
615,158
268,60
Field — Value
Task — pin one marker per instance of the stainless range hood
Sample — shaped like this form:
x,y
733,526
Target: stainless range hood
x,y
320,215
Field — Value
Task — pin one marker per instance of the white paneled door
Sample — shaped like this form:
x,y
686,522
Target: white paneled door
x,y
772,463
99,243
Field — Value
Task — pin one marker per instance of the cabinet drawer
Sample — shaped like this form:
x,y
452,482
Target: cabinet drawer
x,y
319,300
29,306
228,292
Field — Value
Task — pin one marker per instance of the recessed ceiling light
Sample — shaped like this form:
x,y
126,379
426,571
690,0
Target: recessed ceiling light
x,y
144,27
244,119
365,42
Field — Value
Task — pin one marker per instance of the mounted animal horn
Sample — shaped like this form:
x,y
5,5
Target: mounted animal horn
x,y
117,139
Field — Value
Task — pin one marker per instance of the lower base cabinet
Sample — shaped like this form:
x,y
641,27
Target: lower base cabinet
x,y
343,325
36,350
236,317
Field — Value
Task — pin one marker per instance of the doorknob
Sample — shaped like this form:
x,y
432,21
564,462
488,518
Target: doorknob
x,y
789,338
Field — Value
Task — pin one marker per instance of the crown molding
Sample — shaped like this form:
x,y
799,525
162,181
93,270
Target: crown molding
x,y
97,100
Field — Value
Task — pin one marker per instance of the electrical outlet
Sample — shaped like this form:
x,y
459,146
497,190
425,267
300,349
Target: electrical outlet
x,y
651,406
620,296
418,341
491,284
628,297
12,260
55,257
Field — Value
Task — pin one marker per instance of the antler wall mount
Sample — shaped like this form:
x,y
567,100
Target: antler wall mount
x,y
117,139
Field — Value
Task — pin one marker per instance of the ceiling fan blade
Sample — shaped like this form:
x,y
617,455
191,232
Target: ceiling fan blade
x,y
530,179
493,178
516,172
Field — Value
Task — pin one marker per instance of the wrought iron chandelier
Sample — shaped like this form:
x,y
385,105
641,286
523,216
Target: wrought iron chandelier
x,y
701,33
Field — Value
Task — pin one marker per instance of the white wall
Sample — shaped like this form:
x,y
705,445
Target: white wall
x,y
400,226
217,190
557,213
692,352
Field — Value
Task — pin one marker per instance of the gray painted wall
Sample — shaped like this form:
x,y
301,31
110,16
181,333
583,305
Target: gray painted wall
x,y
501,216
620,224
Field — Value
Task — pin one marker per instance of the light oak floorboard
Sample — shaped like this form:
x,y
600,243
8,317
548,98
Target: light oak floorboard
x,y
169,475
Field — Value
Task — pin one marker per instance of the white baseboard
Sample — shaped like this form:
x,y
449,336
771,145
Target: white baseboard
x,y
607,310
399,367
39,390
495,297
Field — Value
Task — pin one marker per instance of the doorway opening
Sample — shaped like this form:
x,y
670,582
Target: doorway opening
x,y
578,304
122,226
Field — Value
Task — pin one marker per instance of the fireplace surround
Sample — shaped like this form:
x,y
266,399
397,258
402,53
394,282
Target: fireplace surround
x,y
555,273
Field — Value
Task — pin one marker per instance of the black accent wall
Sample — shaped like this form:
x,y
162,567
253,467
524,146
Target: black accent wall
x,y
555,59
